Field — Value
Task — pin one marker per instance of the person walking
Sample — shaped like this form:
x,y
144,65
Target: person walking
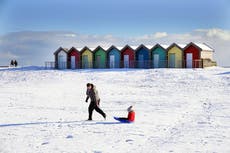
x,y
15,63
97,95
11,63
93,103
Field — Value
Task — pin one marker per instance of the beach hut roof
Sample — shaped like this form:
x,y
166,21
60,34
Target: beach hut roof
x,y
200,46
204,46
181,46
114,47
126,46
161,46
60,49
99,47
73,48
139,47
85,48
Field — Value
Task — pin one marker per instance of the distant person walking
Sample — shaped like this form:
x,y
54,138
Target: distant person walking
x,y
12,63
94,103
15,63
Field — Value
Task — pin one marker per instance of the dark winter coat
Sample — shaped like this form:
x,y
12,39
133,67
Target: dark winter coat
x,y
90,94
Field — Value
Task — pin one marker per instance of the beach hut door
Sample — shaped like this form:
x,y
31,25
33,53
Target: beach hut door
x,y
112,61
189,60
156,60
85,61
172,60
73,62
126,61
61,61
141,60
98,60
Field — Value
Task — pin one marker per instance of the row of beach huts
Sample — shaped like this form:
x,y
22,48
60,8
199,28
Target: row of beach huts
x,y
192,55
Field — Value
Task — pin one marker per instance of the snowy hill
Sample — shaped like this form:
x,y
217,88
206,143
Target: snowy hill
x,y
177,110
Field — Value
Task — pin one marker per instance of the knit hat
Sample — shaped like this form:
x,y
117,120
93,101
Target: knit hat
x,y
89,84
130,108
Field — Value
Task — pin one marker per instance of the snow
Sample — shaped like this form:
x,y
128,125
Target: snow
x,y
182,45
177,110
92,48
134,47
106,47
79,48
119,47
164,46
149,46
204,46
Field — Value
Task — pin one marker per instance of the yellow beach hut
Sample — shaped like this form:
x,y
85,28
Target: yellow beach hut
x,y
86,58
175,56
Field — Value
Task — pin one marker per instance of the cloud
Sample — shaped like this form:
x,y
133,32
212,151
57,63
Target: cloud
x,y
160,35
34,48
219,33
69,35
153,36
8,55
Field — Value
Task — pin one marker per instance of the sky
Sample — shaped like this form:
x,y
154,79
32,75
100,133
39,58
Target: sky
x,y
35,29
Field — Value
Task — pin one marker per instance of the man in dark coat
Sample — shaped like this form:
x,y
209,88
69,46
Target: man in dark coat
x,y
93,104
15,63
11,63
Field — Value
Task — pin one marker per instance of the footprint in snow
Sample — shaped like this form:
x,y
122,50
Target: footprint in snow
x,y
45,143
128,140
69,137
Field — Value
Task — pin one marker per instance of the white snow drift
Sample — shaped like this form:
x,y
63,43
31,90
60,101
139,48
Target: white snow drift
x,y
177,110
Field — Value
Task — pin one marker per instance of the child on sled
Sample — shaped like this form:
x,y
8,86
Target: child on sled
x,y
130,118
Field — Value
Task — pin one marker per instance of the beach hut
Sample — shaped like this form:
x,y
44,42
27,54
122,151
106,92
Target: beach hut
x,y
159,56
195,52
127,57
86,58
142,57
73,58
114,57
99,58
175,56
61,58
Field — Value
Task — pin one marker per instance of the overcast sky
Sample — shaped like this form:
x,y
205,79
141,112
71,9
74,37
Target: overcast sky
x,y
30,31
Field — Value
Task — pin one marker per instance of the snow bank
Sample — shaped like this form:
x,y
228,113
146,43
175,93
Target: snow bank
x,y
177,110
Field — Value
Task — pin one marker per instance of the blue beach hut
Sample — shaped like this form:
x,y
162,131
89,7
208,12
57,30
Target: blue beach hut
x,y
113,57
142,57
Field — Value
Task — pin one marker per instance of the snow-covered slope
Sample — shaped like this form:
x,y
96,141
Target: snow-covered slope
x,y
177,110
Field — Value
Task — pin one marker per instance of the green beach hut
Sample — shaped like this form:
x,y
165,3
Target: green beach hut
x,y
99,58
159,56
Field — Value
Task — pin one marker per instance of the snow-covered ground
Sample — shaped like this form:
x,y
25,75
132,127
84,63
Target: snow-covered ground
x,y
177,110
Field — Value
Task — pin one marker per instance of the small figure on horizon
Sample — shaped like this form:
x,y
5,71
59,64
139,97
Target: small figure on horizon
x,y
15,63
12,63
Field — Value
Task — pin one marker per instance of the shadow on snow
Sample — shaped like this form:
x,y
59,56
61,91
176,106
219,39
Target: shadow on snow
x,y
68,122
224,73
